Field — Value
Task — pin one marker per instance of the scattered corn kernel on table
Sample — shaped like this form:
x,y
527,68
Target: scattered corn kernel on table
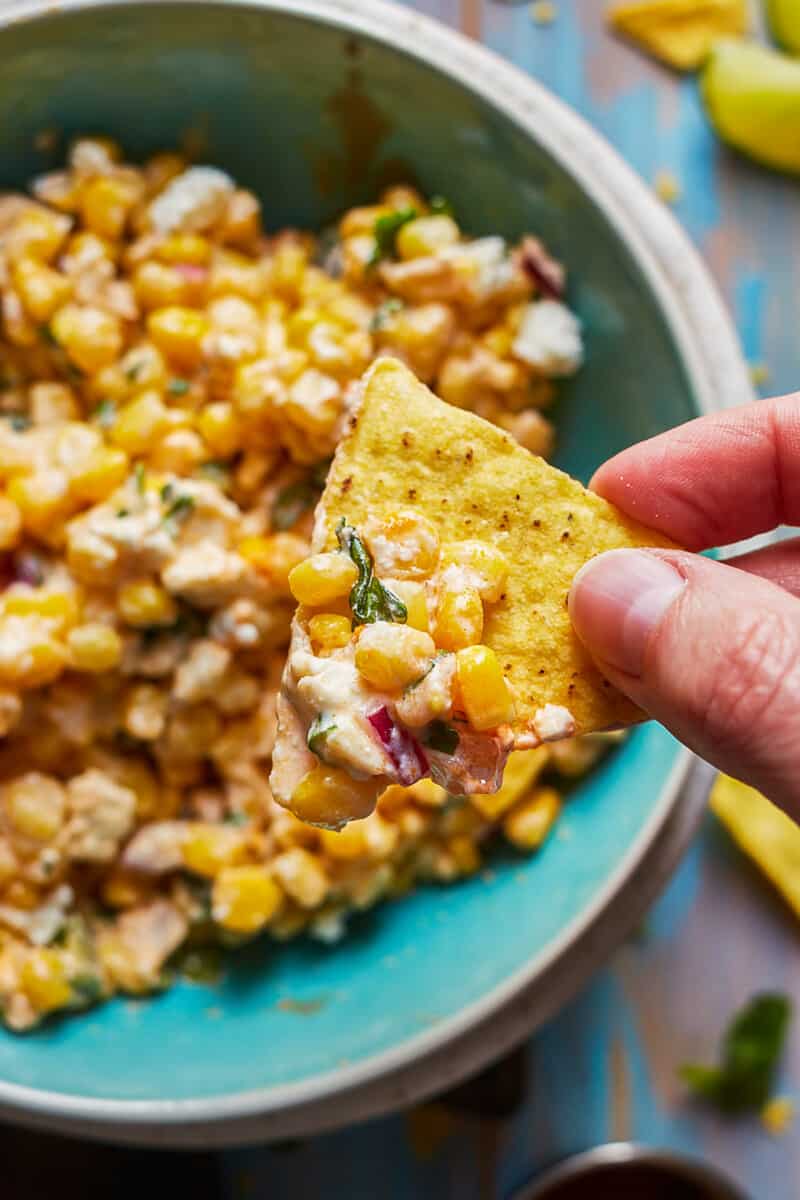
x,y
606,1067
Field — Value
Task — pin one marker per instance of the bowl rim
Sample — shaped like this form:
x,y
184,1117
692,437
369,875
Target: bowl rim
x,y
706,342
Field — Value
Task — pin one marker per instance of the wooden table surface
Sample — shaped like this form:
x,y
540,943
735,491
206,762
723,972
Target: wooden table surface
x,y
606,1067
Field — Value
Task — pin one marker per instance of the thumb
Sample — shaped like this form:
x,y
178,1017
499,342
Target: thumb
x,y
710,651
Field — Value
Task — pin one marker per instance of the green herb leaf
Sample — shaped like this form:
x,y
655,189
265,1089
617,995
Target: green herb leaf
x,y
369,599
298,497
178,510
441,206
165,491
87,989
178,387
319,730
385,231
123,512
237,819
215,471
19,422
751,1049
440,736
105,414
139,476
384,313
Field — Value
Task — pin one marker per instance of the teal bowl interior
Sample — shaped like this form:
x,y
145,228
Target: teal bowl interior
x,y
315,120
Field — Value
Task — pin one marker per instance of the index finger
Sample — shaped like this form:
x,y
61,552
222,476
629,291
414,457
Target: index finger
x,y
716,479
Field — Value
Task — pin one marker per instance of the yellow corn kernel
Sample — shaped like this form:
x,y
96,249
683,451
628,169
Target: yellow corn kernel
x,y
35,804
244,899
153,800
288,264
10,524
405,545
347,843
414,597
29,654
242,222
328,632
323,578
179,452
91,337
426,235
391,656
178,333
44,981
208,849
185,248
233,274
257,391
41,289
302,876
483,689
162,167
94,647
142,603
483,566
464,853
125,889
275,556
106,203
158,285
42,498
528,824
60,609
313,403
146,711
140,423
99,474
221,428
37,233
8,862
459,619
329,796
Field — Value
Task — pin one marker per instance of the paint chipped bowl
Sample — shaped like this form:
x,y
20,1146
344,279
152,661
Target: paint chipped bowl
x,y
313,103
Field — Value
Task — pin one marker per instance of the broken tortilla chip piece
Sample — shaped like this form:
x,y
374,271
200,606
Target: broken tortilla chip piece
x,y
679,33
764,832
450,550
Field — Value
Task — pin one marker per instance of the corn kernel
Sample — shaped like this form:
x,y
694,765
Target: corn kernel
x,y
44,981
322,578
328,632
41,289
178,333
464,854
37,233
242,222
459,619
146,711
157,285
302,876
208,849
142,603
8,862
415,599
185,248
528,824
426,235
347,843
244,899
29,654
404,545
275,556
94,647
91,337
106,203
391,656
482,567
329,796
52,403
483,689
99,474
35,804
42,498
139,424
221,428
10,524
288,264
59,608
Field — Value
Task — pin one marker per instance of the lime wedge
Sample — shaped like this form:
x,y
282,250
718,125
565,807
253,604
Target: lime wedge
x,y
752,96
784,23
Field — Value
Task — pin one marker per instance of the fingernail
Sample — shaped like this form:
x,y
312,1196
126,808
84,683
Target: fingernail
x,y
616,602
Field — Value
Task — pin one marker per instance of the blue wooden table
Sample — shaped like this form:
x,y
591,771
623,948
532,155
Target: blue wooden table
x,y
605,1068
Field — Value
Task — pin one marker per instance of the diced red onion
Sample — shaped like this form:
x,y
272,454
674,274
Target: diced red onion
x,y
546,272
408,757
192,272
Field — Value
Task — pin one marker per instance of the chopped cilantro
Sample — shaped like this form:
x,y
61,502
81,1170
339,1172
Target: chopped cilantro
x,y
443,737
369,599
178,387
237,818
385,231
319,730
751,1048
105,414
178,510
384,312
86,988
139,476
123,512
165,492
441,206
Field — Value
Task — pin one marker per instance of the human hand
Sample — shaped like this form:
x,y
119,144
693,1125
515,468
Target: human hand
x,y
712,650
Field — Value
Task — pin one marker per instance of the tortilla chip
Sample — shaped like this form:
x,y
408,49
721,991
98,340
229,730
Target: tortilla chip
x,y
680,33
405,448
765,833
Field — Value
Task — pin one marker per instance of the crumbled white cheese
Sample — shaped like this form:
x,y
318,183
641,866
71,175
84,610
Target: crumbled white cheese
x,y
489,257
192,201
553,722
549,338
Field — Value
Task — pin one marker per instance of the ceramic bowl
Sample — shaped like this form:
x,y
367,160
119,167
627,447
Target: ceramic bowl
x,y
314,104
